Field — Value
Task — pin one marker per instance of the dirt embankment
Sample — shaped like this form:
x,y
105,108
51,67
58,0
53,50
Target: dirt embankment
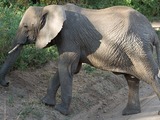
x,y
93,94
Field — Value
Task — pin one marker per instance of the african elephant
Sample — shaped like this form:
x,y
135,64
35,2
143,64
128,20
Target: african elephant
x,y
117,39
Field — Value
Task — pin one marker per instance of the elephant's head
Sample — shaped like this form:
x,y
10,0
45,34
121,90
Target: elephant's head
x,y
40,25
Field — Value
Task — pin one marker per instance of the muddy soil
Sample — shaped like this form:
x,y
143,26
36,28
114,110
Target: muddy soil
x,y
94,94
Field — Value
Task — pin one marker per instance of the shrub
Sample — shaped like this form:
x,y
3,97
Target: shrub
x,y
32,57
9,20
146,7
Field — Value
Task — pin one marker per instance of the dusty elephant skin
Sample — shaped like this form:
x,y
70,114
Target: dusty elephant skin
x,y
117,39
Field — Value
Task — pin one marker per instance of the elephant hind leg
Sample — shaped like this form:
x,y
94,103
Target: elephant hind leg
x,y
133,105
156,87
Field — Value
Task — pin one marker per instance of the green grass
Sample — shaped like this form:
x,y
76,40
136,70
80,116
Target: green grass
x,y
10,100
26,111
89,69
31,109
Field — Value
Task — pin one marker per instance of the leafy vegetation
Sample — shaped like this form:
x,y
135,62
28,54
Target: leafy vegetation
x,y
11,12
88,68
9,20
32,57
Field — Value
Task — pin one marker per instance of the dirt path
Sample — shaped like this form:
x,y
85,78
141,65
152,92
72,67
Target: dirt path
x,y
96,96
150,105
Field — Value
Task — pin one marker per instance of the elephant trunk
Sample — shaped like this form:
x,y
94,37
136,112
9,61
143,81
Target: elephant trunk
x,y
11,58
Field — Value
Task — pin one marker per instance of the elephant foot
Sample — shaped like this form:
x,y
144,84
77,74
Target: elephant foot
x,y
4,83
131,110
62,109
47,100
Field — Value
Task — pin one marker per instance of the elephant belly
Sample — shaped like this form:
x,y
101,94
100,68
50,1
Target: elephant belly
x,y
111,59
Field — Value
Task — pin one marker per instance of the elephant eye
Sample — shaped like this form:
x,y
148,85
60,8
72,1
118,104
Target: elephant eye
x,y
25,28
25,25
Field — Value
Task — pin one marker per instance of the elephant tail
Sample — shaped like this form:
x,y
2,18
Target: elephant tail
x,y
157,47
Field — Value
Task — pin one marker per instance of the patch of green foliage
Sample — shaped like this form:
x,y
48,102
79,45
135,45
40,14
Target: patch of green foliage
x,y
9,20
32,57
146,7
88,68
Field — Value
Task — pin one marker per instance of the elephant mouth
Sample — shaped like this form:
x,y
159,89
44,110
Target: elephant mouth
x,y
13,49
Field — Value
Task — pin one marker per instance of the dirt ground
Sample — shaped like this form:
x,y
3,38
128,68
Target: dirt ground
x,y
95,94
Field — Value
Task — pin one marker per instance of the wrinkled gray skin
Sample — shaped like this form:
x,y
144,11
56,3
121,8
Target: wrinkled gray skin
x,y
117,39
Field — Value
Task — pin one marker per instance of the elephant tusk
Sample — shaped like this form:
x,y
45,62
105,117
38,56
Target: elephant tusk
x,y
14,49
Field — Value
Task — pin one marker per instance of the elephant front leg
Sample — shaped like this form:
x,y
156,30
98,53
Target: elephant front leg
x,y
66,91
49,98
66,94
133,105
67,67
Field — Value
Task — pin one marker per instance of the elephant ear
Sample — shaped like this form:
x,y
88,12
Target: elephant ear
x,y
53,17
